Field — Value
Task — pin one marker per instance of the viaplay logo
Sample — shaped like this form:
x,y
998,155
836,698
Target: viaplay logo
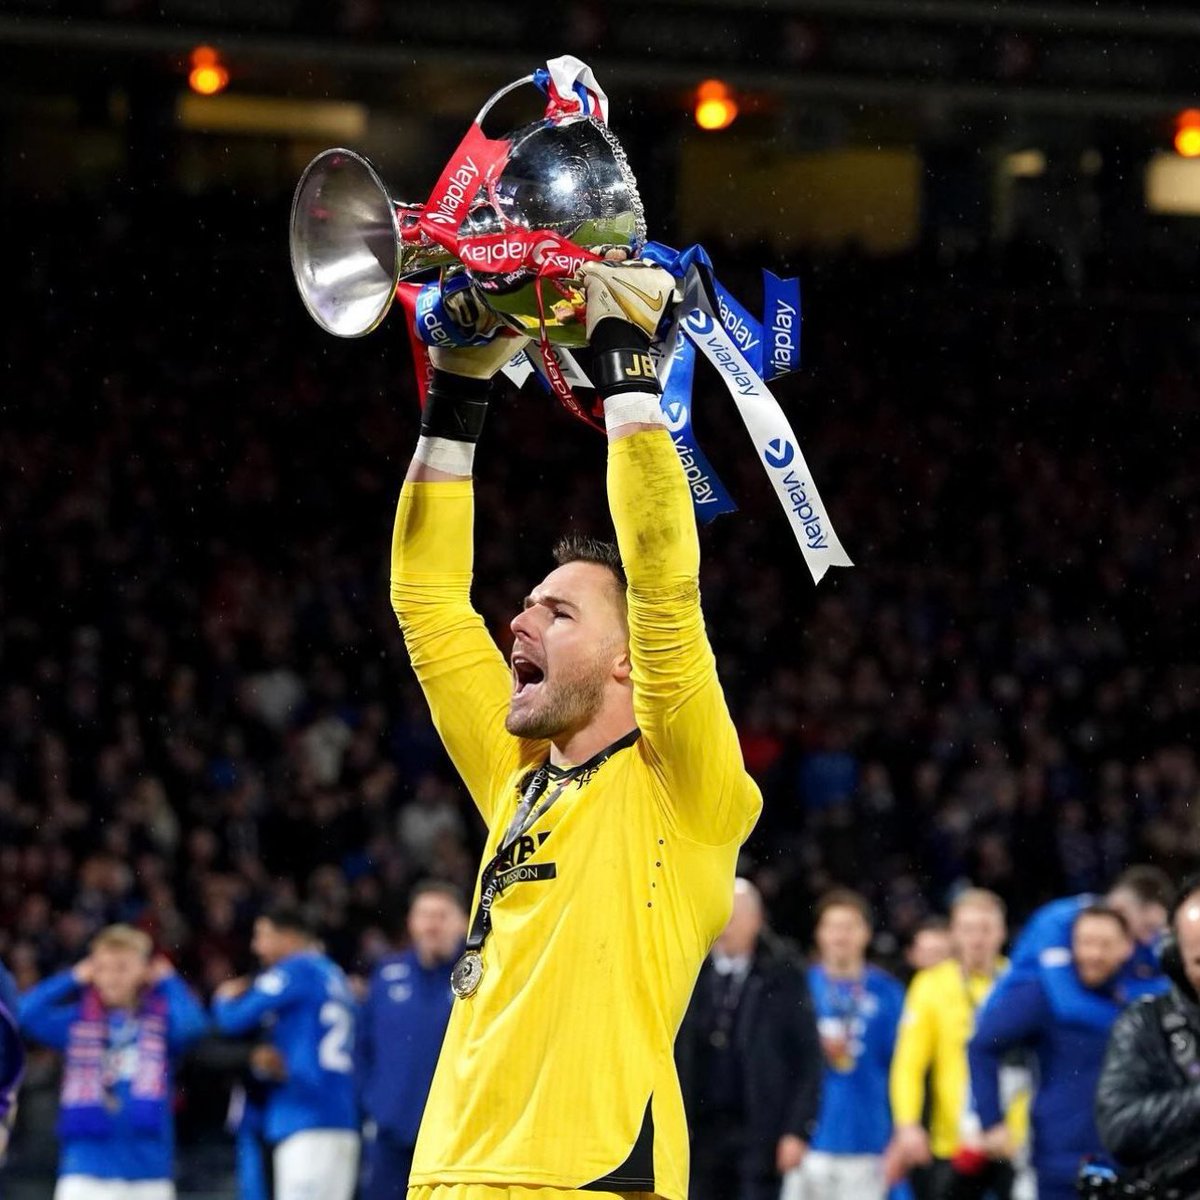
x,y
676,412
779,453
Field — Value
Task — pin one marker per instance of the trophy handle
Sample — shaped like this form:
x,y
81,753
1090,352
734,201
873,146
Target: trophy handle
x,y
497,96
347,251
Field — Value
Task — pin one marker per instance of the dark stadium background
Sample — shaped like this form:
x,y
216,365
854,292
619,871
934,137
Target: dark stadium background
x,y
204,700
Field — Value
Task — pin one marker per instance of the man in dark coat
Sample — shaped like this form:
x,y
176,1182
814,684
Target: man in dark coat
x,y
749,1061
1148,1098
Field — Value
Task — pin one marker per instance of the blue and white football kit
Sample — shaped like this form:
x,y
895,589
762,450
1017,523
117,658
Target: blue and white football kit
x,y
857,1020
311,1118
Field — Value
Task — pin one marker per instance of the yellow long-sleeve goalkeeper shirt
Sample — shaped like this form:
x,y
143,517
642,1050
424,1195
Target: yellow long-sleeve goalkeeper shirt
x,y
558,1071
938,1020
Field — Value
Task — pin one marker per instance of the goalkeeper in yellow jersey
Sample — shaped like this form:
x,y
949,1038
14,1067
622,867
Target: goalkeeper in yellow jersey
x,y
603,759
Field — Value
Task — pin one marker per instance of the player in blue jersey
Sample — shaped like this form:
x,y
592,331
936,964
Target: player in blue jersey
x,y
304,1003
403,1021
858,1011
1141,894
1065,1017
121,1018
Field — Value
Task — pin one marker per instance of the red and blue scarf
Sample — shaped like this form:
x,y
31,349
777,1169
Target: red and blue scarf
x,y
89,1096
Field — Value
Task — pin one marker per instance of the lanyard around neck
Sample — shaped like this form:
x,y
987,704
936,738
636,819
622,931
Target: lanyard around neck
x,y
528,811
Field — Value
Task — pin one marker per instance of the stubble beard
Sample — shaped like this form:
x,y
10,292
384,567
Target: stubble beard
x,y
564,707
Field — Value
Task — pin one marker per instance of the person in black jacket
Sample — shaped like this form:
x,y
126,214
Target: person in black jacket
x,y
749,1061
1148,1097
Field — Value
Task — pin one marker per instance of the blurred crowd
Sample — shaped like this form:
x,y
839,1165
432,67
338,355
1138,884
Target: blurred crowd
x,y
205,703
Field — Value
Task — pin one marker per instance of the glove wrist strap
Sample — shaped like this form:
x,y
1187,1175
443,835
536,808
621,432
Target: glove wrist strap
x,y
621,359
455,407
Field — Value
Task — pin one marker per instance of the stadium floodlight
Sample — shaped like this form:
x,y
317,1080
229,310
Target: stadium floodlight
x,y
208,74
716,107
1187,133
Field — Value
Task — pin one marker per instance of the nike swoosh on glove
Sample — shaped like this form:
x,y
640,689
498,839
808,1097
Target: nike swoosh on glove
x,y
635,292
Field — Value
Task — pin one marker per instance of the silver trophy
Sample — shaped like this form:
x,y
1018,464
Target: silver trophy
x,y
566,174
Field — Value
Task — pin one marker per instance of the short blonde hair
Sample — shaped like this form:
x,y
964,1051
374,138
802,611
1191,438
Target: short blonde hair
x,y
979,898
124,937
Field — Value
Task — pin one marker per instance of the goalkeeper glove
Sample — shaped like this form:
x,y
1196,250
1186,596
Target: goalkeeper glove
x,y
635,292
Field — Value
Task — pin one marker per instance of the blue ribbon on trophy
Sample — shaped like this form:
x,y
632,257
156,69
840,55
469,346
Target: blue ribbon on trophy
x,y
710,498
781,307
781,327
747,354
433,324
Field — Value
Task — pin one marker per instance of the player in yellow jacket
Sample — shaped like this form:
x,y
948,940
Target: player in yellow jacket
x,y
938,1020
603,759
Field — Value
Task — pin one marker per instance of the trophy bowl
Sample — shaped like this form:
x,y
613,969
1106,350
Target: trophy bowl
x,y
569,176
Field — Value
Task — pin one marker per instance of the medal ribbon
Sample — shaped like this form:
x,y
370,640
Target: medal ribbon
x,y
522,821
407,294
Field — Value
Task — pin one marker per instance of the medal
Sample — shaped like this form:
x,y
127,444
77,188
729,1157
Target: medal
x,y
468,971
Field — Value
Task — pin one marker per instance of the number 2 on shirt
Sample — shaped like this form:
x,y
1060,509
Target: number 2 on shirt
x,y
333,1054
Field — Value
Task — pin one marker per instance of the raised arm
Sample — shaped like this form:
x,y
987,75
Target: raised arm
x,y
46,1011
270,993
1047,930
680,708
461,671
186,1018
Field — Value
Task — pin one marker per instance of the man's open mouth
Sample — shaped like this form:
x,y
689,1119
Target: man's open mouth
x,y
526,675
